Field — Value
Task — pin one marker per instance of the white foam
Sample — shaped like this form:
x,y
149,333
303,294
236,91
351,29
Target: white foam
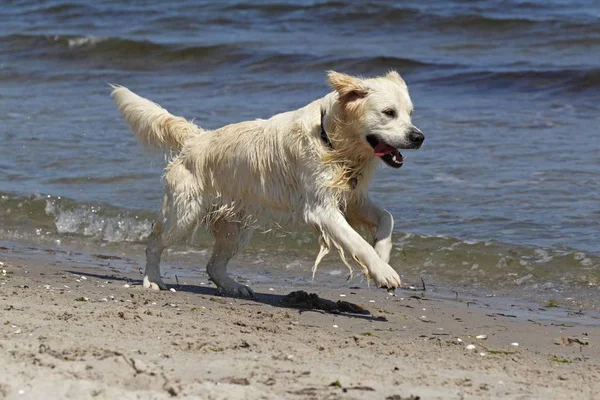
x,y
86,41
88,222
447,178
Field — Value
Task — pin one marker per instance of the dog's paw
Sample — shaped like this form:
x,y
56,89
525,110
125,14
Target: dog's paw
x,y
154,284
386,279
237,291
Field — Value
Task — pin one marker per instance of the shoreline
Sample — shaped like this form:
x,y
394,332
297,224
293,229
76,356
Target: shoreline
x,y
289,269
71,331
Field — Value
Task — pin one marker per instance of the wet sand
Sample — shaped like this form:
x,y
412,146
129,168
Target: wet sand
x,y
73,332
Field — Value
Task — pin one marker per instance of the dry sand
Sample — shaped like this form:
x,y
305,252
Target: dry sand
x,y
68,332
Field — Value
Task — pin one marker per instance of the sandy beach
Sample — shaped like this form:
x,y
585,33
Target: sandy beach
x,y
71,332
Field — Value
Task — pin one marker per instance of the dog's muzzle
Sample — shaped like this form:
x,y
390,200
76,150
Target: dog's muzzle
x,y
390,154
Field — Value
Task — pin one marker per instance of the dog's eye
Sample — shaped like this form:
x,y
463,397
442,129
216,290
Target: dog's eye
x,y
411,113
389,112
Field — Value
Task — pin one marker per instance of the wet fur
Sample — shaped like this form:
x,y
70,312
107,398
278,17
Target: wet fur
x,y
274,172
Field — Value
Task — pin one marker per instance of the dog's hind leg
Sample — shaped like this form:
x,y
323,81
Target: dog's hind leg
x,y
230,238
154,249
173,225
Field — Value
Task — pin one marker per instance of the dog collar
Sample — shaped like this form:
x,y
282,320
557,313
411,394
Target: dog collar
x,y
324,136
327,141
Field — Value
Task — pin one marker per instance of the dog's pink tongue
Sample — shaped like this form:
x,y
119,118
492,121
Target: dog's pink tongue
x,y
383,149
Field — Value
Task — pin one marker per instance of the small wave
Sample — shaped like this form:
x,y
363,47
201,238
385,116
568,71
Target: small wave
x,y
50,216
116,49
144,50
90,41
481,22
58,11
88,222
380,63
60,8
446,178
363,65
367,13
278,8
564,80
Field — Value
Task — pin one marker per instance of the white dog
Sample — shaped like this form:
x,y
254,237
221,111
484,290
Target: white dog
x,y
312,166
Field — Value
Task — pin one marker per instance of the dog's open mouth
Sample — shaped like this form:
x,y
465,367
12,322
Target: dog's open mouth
x,y
389,154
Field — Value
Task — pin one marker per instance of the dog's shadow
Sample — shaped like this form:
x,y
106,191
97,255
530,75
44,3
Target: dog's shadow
x,y
299,300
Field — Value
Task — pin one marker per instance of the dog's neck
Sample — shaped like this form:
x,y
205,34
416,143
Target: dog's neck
x,y
352,162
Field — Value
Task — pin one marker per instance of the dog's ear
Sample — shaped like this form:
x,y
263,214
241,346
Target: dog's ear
x,y
395,77
349,88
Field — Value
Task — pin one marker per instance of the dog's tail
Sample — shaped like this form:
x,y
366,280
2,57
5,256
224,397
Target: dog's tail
x,y
153,125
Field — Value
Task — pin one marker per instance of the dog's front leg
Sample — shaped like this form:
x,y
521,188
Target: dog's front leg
x,y
333,224
381,222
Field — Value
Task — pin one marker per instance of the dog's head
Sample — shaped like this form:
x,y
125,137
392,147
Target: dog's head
x,y
380,111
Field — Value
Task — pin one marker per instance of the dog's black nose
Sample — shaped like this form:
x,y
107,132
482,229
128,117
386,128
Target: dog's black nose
x,y
416,137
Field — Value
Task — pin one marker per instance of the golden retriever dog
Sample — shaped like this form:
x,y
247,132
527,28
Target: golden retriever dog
x,y
309,166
